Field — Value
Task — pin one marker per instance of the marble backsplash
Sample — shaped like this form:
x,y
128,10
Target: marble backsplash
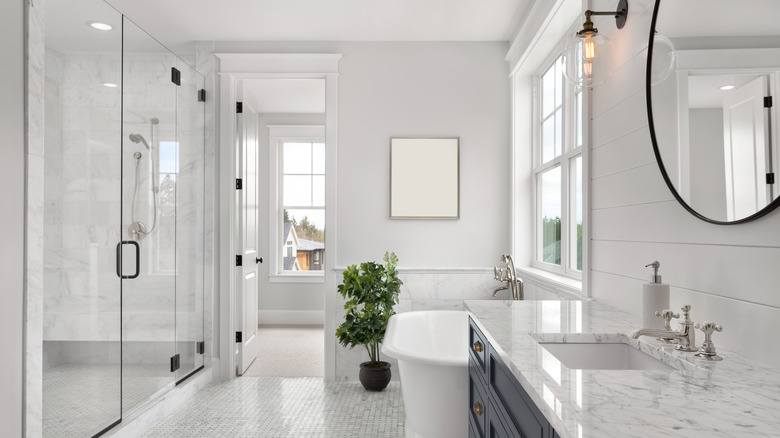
x,y
434,289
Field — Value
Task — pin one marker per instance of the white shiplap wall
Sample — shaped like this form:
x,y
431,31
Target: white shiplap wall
x,y
728,274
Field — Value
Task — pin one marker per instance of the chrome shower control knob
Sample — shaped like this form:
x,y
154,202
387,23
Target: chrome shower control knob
x,y
707,350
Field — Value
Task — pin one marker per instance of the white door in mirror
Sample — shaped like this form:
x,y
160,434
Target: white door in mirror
x,y
745,149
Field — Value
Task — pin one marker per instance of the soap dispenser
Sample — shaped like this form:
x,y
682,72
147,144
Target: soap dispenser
x,y
655,297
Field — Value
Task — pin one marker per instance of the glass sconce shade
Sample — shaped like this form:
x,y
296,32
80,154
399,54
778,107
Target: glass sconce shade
x,y
580,53
664,59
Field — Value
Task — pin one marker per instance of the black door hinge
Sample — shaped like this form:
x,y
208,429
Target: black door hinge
x,y
770,178
768,102
175,362
201,95
239,184
239,260
239,337
175,76
200,347
239,107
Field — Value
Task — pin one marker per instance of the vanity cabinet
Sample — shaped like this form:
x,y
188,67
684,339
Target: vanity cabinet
x,y
498,406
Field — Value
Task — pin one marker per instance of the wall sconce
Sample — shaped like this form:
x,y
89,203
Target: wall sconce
x,y
584,46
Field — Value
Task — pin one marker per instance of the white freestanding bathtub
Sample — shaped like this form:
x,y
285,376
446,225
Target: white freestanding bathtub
x,y
432,352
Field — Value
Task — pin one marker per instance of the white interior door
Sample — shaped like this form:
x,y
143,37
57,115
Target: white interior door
x,y
745,149
247,204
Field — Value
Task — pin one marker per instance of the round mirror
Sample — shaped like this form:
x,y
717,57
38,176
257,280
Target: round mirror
x,y
713,68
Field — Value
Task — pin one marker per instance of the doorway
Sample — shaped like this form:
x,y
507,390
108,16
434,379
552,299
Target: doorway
x,y
281,170
283,297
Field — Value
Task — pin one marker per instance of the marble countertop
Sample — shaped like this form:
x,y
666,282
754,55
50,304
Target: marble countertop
x,y
735,397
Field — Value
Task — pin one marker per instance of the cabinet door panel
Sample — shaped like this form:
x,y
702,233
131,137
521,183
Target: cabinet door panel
x,y
499,427
510,395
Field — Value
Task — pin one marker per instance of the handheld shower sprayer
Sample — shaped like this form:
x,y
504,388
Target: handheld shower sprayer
x,y
138,138
137,230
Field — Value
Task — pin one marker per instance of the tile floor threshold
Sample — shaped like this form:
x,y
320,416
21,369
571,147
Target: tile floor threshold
x,y
286,407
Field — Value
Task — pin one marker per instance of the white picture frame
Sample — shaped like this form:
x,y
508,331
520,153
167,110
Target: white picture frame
x,y
425,178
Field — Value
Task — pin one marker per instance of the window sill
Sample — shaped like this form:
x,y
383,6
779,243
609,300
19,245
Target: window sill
x,y
296,278
565,286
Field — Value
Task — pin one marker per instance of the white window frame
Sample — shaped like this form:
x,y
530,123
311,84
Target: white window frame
x,y
570,151
278,135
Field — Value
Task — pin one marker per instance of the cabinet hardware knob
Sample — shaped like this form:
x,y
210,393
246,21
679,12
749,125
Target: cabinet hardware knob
x,y
477,408
478,347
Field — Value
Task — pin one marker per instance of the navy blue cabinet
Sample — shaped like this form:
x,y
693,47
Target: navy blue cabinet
x,y
498,406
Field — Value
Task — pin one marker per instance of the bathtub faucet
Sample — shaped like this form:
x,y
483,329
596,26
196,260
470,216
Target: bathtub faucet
x,y
514,284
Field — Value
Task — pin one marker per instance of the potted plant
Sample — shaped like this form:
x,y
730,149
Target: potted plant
x,y
371,291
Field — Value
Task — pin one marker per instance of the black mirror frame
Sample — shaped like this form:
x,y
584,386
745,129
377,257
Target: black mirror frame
x,y
761,213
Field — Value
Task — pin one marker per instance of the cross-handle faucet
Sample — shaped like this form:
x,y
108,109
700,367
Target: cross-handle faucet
x,y
514,284
707,350
685,336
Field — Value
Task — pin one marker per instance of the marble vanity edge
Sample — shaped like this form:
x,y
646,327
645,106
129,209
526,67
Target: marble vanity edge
x,y
735,366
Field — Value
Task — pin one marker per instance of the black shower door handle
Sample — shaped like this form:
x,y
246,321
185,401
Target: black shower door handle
x,y
119,259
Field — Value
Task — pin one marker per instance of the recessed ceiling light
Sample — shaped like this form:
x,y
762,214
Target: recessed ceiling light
x,y
110,84
99,26
727,87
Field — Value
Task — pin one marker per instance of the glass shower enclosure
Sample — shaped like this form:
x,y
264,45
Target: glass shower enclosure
x,y
124,219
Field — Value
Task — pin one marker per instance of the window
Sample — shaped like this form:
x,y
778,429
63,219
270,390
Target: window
x,y
164,250
558,172
299,214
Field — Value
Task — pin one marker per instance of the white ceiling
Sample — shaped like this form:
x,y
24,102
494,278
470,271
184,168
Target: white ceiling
x,y
176,22
704,90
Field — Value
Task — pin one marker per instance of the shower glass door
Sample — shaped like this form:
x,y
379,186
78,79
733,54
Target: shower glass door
x,y
190,202
150,162
81,381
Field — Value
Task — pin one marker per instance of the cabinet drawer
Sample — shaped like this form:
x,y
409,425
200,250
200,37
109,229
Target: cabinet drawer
x,y
478,399
477,345
506,391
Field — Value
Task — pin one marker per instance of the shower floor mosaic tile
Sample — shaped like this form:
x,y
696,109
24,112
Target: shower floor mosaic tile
x,y
79,400
286,407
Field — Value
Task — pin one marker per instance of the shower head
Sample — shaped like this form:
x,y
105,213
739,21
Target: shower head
x,y
138,138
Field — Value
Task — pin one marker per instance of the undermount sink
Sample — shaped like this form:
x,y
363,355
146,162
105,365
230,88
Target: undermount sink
x,y
603,356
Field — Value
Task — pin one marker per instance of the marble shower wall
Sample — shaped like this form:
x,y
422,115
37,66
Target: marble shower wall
x,y
82,198
83,212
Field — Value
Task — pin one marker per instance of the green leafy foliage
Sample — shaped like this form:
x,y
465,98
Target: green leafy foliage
x,y
371,291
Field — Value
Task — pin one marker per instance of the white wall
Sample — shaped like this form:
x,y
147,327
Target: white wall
x,y
728,274
425,89
12,178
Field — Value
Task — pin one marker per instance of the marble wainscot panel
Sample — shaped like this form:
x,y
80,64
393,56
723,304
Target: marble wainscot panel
x,y
430,289
732,398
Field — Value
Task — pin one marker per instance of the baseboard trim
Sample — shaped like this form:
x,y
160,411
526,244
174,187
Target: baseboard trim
x,y
308,317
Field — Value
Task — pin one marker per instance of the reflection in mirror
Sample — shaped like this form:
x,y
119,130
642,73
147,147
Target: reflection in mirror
x,y
714,129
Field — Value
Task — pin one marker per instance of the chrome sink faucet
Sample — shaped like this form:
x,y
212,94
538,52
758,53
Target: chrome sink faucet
x,y
685,336
514,284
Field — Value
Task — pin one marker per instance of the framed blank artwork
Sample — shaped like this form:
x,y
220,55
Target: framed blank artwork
x,y
425,178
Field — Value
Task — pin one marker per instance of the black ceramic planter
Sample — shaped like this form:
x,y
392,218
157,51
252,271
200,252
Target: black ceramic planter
x,y
375,375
